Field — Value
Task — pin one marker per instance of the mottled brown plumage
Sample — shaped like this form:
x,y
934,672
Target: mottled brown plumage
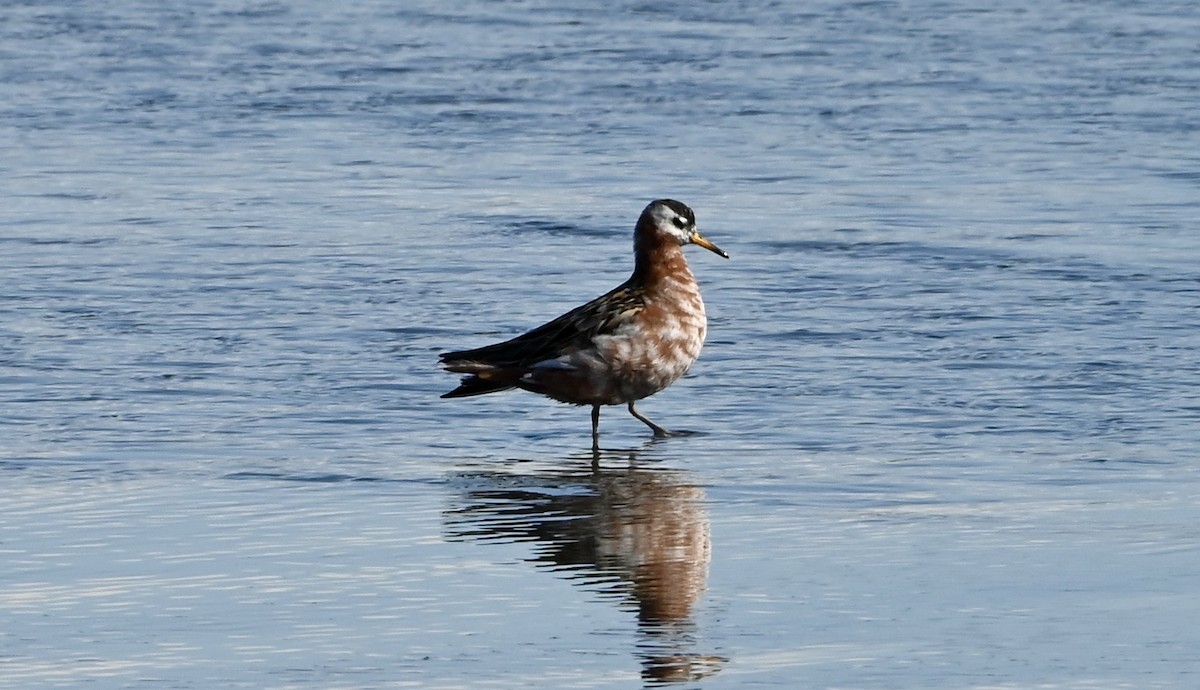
x,y
621,347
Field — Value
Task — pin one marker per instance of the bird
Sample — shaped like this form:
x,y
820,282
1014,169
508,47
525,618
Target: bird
x,y
619,348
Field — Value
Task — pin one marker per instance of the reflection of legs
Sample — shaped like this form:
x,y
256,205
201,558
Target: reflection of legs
x,y
595,427
658,430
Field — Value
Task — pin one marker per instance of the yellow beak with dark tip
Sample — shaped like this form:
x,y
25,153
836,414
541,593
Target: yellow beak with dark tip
x,y
697,238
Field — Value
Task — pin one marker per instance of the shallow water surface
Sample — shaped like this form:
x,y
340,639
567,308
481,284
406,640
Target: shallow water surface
x,y
945,419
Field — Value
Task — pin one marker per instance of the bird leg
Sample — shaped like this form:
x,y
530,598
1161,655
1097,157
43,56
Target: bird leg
x,y
595,427
658,430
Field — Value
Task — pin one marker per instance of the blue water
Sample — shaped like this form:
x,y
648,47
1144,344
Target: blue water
x,y
948,403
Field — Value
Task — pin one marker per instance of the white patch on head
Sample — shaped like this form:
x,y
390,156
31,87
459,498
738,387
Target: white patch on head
x,y
674,224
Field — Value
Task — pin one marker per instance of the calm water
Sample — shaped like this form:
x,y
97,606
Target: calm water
x,y
949,401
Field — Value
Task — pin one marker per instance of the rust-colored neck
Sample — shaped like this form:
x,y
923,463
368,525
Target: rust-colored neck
x,y
656,257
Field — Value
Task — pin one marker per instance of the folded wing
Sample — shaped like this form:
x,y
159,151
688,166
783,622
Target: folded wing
x,y
498,367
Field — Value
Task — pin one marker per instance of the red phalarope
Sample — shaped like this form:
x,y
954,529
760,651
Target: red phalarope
x,y
621,347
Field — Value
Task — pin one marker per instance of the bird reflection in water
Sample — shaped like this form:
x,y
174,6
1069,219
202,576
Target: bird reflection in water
x,y
636,534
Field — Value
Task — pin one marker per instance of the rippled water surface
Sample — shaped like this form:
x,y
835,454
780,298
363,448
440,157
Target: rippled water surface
x,y
947,409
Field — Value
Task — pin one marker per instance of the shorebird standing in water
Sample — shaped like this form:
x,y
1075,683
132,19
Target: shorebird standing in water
x,y
621,347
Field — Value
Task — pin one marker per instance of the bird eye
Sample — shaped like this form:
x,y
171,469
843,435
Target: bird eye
x,y
680,222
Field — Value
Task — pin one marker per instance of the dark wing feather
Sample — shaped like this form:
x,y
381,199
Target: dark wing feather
x,y
477,385
570,332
